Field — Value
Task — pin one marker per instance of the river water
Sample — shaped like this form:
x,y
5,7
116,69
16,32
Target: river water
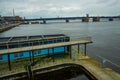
x,y
105,35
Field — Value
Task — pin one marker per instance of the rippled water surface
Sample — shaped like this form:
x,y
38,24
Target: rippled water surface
x,y
105,36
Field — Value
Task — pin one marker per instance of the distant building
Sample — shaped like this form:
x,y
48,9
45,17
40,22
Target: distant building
x,y
12,18
7,20
0,20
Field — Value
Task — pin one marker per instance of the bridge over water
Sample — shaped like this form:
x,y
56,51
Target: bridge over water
x,y
67,19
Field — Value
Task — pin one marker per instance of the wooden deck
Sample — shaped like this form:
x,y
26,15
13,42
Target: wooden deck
x,y
39,47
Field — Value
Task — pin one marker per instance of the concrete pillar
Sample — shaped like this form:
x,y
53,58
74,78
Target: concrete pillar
x,y
29,22
33,57
53,56
66,20
44,21
85,49
110,19
9,63
68,48
78,48
70,51
29,71
96,19
85,19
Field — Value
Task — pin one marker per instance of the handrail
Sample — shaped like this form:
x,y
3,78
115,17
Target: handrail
x,y
104,61
108,61
80,37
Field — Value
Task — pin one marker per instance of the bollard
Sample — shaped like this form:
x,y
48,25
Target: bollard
x,y
104,63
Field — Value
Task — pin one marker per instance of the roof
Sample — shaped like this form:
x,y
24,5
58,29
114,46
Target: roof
x,y
21,39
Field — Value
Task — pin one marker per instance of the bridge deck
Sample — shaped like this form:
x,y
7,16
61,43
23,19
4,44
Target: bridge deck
x,y
67,18
39,47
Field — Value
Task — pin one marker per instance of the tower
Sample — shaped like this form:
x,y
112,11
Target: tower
x,y
13,12
87,15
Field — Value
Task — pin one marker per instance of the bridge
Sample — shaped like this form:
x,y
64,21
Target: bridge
x,y
67,19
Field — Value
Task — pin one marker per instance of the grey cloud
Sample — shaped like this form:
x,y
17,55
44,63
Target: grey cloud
x,y
50,8
108,2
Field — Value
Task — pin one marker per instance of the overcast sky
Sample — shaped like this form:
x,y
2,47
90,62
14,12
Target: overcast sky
x,y
61,8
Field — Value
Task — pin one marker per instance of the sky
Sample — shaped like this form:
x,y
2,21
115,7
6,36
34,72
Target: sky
x,y
59,8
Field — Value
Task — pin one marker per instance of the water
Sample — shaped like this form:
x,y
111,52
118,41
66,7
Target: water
x,y
105,36
68,73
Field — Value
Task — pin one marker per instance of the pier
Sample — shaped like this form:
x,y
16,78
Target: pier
x,y
94,67
73,55
39,47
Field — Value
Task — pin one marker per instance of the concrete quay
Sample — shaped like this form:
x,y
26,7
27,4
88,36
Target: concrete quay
x,y
93,66
73,56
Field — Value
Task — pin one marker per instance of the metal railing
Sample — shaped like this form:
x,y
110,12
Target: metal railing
x,y
80,37
46,41
107,63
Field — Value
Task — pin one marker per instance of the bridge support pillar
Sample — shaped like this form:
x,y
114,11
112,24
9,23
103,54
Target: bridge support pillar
x,y
25,22
110,19
29,22
96,19
85,19
66,20
44,21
